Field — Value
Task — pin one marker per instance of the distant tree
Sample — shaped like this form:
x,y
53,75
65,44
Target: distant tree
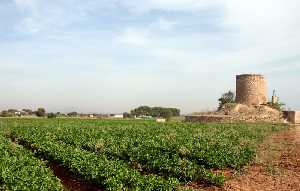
x,y
28,111
278,106
59,114
228,97
141,111
6,114
167,114
175,112
51,115
72,114
12,110
127,115
155,112
40,112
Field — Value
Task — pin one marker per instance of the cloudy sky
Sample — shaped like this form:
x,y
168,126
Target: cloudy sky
x,y
113,55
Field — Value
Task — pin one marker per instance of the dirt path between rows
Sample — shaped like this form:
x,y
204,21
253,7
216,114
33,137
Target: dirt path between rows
x,y
276,167
70,181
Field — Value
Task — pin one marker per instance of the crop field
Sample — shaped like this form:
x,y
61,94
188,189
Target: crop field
x,y
123,154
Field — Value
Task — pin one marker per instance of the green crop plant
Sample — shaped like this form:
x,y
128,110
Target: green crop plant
x,y
141,155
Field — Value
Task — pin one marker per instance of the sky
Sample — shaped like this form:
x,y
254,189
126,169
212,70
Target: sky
x,y
109,56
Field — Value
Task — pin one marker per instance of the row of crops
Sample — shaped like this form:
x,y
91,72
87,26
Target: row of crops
x,y
140,155
20,170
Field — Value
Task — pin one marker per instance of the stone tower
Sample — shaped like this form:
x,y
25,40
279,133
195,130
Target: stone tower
x,y
251,89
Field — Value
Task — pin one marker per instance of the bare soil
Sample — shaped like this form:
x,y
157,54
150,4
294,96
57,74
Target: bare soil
x,y
244,113
70,181
276,167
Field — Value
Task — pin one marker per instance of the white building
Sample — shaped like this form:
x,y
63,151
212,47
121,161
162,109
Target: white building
x,y
118,116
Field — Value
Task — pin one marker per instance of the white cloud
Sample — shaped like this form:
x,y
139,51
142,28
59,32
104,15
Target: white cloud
x,y
262,19
263,31
147,35
163,24
36,16
138,6
48,16
30,25
26,4
252,34
134,37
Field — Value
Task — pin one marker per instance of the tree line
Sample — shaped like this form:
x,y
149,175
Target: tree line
x,y
142,111
40,112
146,111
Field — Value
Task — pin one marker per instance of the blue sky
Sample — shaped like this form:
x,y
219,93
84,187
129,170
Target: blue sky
x,y
113,55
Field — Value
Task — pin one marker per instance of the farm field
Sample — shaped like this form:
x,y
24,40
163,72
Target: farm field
x,y
124,154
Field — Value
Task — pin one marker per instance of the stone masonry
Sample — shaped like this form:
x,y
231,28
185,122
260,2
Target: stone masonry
x,y
292,116
251,89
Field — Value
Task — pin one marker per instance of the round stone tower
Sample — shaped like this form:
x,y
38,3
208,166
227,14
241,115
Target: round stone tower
x,y
251,89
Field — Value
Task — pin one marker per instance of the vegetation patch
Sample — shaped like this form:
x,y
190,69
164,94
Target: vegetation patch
x,y
142,155
20,170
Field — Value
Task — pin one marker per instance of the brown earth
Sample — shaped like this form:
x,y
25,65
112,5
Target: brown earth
x,y
277,167
244,113
240,112
70,181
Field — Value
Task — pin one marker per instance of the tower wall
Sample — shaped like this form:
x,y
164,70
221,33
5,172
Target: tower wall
x,y
292,116
251,89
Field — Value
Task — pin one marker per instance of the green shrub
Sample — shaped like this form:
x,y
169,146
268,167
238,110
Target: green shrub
x,y
278,106
226,98
51,115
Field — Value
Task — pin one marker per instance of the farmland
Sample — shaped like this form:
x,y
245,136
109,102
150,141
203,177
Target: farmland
x,y
124,154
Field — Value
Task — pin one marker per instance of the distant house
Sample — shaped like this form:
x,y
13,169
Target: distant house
x,y
144,117
17,113
118,116
161,120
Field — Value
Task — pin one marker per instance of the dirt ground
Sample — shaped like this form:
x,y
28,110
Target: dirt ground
x,y
276,167
70,181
